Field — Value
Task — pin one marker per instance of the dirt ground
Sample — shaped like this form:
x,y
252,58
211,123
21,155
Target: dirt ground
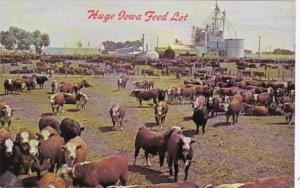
x,y
254,148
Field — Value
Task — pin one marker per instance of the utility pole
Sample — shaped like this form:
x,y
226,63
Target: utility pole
x,y
143,38
258,46
157,43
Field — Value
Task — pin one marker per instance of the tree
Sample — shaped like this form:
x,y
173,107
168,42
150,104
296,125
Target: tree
x,y
283,51
37,41
7,40
169,53
45,40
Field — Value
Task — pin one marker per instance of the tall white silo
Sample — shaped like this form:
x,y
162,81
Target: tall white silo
x,y
234,48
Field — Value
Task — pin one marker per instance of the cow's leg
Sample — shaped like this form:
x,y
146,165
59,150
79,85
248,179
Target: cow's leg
x,y
136,152
203,127
175,170
140,100
147,158
161,160
121,124
9,123
233,118
227,118
237,116
170,162
186,169
197,129
53,110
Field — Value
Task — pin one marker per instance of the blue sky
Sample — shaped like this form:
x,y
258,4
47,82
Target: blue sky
x,y
66,21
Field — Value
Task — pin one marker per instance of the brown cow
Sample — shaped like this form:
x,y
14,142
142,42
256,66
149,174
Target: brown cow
x,y
153,143
263,98
46,121
252,110
51,149
122,82
187,93
57,100
289,112
149,84
75,151
233,109
145,95
99,173
73,87
117,114
179,147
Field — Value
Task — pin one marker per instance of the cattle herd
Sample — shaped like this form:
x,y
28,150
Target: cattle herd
x,y
58,153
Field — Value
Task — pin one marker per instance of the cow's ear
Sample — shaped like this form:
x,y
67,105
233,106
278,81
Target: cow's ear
x,y
193,141
51,134
79,146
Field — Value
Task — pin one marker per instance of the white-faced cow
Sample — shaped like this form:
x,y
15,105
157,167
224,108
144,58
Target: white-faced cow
x,y
5,115
179,148
160,112
117,114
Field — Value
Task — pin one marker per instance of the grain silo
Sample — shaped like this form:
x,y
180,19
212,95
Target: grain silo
x,y
234,48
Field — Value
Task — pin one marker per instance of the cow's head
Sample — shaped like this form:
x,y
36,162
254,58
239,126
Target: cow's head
x,y
52,99
8,145
186,145
46,133
24,138
195,105
34,147
115,110
210,101
9,81
255,96
70,152
226,107
7,111
269,90
159,109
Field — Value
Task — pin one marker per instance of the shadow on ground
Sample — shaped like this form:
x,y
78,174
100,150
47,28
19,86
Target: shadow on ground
x,y
151,175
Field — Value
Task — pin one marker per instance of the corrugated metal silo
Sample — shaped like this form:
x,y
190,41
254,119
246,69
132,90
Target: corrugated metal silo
x,y
234,48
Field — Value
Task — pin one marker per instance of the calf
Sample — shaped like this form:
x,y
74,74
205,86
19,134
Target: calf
x,y
252,110
117,114
54,86
122,82
263,98
289,112
179,147
100,173
6,115
233,109
46,121
75,151
145,95
160,112
8,86
200,118
70,128
213,105
81,100
57,100
41,81
149,84
153,143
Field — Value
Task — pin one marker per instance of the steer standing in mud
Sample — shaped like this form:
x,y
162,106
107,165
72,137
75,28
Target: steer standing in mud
x,y
161,110
117,114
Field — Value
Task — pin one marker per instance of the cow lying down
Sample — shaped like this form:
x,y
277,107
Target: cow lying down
x,y
101,173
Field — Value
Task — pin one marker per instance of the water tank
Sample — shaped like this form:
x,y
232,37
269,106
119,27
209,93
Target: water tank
x,y
234,48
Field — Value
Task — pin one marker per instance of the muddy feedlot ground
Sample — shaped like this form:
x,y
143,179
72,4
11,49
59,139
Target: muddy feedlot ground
x,y
254,148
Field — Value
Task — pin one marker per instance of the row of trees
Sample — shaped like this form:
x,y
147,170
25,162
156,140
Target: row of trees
x,y
19,39
111,45
283,52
